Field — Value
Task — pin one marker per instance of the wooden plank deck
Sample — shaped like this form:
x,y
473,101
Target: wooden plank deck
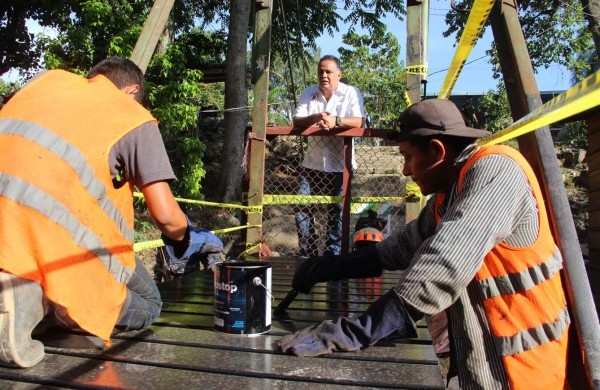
x,y
182,350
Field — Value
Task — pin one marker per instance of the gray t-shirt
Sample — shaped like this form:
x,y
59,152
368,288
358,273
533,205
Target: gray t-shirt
x,y
140,157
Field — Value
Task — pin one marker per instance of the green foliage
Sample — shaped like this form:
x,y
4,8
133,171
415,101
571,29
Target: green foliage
x,y
555,32
372,66
307,20
7,89
494,111
141,227
172,92
88,31
578,133
281,96
278,115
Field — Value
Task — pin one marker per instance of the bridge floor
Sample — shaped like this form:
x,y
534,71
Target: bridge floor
x,y
182,349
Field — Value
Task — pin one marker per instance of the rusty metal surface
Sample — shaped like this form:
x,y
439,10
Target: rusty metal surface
x,y
182,349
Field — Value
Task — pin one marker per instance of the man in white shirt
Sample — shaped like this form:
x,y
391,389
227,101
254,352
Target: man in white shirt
x,y
328,105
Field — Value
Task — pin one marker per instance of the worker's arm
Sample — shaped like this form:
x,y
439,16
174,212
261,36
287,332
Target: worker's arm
x,y
387,315
165,210
181,238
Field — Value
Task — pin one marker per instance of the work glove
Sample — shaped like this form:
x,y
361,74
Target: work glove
x,y
386,316
362,263
195,242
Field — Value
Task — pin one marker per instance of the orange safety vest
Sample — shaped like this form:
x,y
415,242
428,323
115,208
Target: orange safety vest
x,y
523,296
62,222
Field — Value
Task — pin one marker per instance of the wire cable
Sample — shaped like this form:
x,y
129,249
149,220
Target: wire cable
x,y
289,54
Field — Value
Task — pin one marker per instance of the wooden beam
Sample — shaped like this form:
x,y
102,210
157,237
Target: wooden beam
x,y
153,29
261,55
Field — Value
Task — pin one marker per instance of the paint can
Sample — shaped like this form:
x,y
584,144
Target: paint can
x,y
243,297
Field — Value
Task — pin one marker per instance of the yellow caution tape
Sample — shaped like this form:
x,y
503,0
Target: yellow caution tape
x,y
301,199
254,209
249,249
407,98
477,18
142,246
575,100
417,69
324,199
201,202
376,199
412,190
232,229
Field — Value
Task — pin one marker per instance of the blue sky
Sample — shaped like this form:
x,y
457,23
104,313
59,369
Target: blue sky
x,y
475,77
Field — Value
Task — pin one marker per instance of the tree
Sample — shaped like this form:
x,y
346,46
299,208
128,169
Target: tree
x,y
494,110
554,30
88,31
306,20
236,99
592,15
17,43
309,21
372,66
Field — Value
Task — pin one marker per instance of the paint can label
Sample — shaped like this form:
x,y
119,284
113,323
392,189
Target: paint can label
x,y
242,298
230,299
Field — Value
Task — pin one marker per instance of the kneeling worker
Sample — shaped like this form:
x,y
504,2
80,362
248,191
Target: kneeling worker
x,y
72,151
481,250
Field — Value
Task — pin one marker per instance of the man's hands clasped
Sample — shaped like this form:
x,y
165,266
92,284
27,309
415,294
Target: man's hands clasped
x,y
324,120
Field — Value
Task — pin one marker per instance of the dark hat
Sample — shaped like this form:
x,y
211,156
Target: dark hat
x,y
435,117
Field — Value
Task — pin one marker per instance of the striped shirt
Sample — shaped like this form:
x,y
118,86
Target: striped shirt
x,y
496,204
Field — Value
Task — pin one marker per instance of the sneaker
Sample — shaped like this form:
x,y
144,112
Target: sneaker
x,y
21,309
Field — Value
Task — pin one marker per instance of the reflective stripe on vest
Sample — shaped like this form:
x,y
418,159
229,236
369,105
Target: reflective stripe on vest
x,y
63,222
533,337
36,199
72,156
522,281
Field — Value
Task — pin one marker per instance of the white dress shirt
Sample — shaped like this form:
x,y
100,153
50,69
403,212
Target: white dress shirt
x,y
327,153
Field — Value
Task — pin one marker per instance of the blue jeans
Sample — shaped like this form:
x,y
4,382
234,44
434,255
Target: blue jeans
x,y
142,304
313,182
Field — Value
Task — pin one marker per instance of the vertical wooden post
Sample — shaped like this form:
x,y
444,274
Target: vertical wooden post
x,y
593,160
347,191
416,20
261,52
153,29
538,148
414,46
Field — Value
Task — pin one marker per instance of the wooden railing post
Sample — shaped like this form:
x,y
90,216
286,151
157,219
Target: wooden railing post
x,y
261,53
